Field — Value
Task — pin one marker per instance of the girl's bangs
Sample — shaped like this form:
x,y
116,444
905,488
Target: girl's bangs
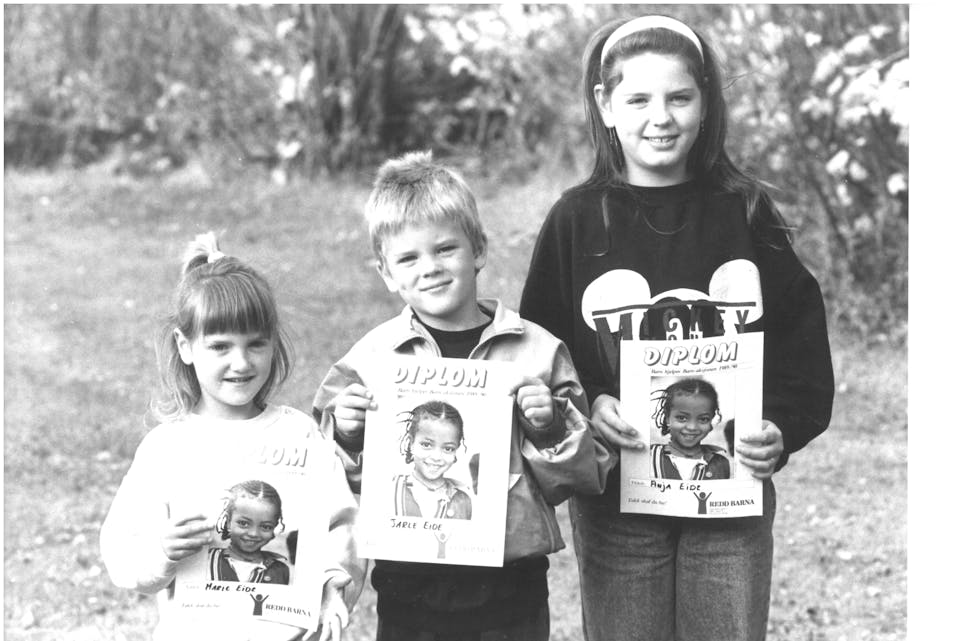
x,y
236,306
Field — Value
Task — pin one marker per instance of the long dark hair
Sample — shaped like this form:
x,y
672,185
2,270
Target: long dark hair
x,y
708,161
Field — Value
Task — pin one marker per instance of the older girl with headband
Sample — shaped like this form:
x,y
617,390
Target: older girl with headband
x,y
222,355
666,218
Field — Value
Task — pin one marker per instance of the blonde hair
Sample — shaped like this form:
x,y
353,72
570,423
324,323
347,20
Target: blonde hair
x,y
413,189
216,293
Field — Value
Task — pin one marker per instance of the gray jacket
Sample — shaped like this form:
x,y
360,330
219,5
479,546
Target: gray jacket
x,y
546,466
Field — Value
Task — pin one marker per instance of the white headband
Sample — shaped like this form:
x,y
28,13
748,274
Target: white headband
x,y
215,256
650,22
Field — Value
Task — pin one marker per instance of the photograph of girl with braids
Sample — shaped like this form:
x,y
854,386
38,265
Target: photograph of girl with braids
x,y
432,443
249,520
686,413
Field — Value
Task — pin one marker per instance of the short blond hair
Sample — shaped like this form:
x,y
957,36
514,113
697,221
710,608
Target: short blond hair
x,y
413,189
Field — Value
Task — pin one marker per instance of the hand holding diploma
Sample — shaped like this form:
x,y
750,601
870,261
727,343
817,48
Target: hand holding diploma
x,y
760,451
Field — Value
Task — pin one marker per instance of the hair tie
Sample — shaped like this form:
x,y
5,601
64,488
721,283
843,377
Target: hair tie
x,y
215,256
650,22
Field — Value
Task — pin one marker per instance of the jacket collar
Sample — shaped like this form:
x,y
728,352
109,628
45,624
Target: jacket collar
x,y
503,321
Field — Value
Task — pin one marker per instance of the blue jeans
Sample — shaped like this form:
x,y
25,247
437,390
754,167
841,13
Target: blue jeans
x,y
655,578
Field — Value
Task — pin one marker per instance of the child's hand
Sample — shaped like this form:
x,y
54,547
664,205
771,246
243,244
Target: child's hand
x,y
350,408
334,616
186,536
534,399
760,451
605,416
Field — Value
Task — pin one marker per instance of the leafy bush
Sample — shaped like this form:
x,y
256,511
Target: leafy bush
x,y
820,110
818,99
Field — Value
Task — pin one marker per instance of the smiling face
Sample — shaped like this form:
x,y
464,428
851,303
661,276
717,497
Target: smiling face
x,y
656,110
433,268
251,524
230,368
690,420
434,448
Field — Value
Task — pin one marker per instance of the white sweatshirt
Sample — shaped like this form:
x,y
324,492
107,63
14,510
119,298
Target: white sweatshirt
x,y
172,463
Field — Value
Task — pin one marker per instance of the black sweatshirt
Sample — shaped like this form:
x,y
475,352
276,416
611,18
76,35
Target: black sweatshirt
x,y
680,243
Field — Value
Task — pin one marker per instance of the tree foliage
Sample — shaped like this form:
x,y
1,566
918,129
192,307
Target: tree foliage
x,y
818,99
81,79
821,110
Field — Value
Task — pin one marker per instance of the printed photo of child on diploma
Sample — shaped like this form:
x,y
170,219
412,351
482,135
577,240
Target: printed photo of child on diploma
x,y
433,437
250,519
687,411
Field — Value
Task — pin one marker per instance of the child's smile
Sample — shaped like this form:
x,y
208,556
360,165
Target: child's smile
x,y
691,419
433,268
656,110
230,368
434,449
251,525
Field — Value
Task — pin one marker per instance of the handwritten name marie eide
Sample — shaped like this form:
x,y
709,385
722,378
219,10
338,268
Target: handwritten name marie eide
x,y
443,375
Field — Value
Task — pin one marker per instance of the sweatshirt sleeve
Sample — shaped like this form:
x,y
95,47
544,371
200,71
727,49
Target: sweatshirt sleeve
x,y
798,376
549,297
130,536
347,571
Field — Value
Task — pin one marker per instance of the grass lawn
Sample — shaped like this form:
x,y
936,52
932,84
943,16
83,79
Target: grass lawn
x,y
90,261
